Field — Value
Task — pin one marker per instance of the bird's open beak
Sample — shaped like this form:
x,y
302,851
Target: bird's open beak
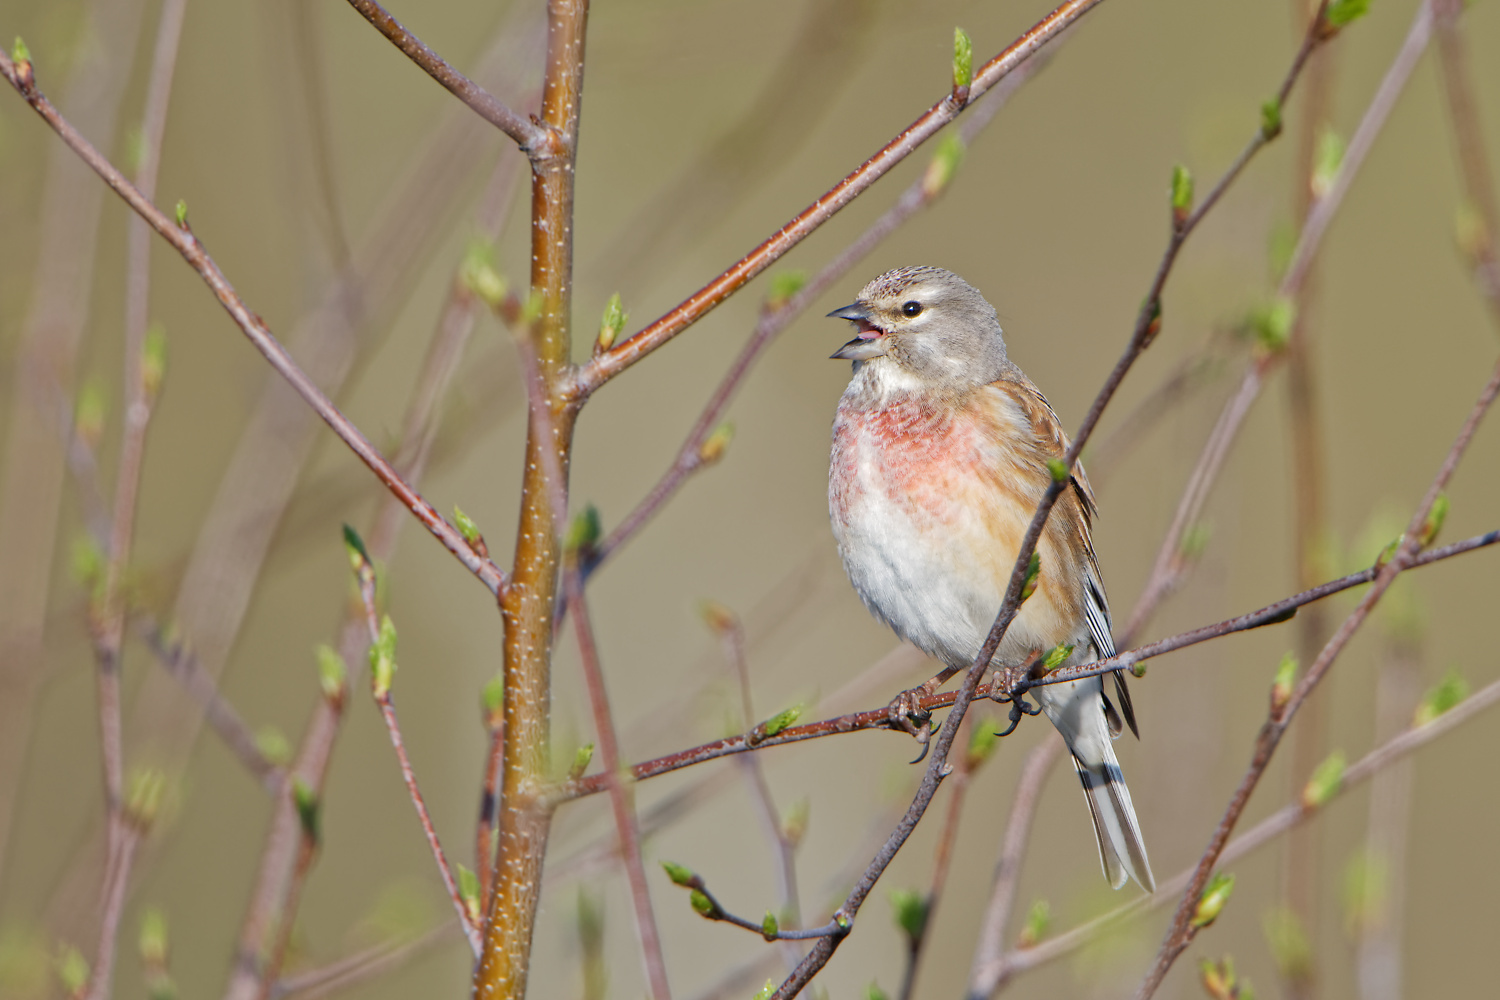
x,y
868,344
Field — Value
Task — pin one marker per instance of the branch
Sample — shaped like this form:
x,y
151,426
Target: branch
x,y
533,138
622,800
1170,564
20,76
776,317
607,365
1182,931
1273,826
879,718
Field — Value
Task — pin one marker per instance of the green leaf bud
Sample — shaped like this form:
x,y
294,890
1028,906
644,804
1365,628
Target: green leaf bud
x,y
480,276
784,285
1443,696
584,531
963,63
72,970
780,721
1326,163
492,700
1341,13
1211,903
713,447
1038,921
1270,119
701,904
612,324
1056,656
1059,470
1285,682
153,360
1182,194
308,809
1326,781
273,745
383,659
947,157
680,874
1033,574
333,673
468,891
910,910
182,222
1289,945
770,927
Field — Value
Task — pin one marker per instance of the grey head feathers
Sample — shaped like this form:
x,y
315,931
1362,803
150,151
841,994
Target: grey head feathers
x,y
930,323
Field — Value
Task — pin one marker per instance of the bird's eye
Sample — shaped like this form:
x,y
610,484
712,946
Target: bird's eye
x,y
912,308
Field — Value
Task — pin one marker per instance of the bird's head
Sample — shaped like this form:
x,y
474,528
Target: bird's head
x,y
928,322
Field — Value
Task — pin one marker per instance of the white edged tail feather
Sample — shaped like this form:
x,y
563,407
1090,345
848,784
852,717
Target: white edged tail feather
x,y
1122,851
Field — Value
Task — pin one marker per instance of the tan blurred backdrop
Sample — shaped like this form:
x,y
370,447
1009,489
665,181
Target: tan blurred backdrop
x,y
704,128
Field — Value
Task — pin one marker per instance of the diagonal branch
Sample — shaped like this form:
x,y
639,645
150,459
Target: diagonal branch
x,y
607,365
20,76
530,136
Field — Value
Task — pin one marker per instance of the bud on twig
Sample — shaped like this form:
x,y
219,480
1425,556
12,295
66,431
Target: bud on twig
x,y
181,213
308,809
611,325
1182,195
468,891
1443,696
963,66
1059,470
1033,574
583,532
1055,657
1326,163
492,700
333,674
1038,920
581,758
1285,682
72,970
1326,781
910,910
946,160
143,796
1270,119
1211,903
383,659
713,447
1341,14
783,285
479,275
1435,518
153,360
770,927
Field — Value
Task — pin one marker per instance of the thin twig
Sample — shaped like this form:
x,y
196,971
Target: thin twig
x,y
622,355
1170,566
990,950
622,799
776,317
879,718
377,960
1182,930
184,242
1267,830
382,693
1472,157
532,137
179,661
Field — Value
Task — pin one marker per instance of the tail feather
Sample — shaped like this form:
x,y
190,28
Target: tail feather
x,y
1122,851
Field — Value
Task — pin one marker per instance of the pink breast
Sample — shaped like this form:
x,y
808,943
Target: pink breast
x,y
927,460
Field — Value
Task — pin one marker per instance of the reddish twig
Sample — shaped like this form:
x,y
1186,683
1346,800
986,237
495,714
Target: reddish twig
x,y
382,693
775,318
531,136
989,952
1182,930
1267,830
879,718
621,798
1171,564
622,355
181,663
184,242
378,960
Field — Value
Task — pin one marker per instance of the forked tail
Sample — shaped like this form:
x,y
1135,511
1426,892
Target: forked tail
x,y
1122,851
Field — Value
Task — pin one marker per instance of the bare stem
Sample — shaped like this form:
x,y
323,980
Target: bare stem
x,y
184,242
529,135
622,798
1182,930
627,352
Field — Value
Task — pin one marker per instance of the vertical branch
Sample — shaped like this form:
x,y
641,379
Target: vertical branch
x,y
528,605
1309,491
621,794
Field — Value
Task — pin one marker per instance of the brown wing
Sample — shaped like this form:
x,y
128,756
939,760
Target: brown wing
x,y
1076,507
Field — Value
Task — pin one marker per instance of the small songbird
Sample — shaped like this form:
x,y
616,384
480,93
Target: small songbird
x,y
940,451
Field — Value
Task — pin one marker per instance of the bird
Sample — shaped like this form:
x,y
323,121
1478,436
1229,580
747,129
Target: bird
x,y
940,456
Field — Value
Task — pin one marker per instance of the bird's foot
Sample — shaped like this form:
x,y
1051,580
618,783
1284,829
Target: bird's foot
x,y
907,714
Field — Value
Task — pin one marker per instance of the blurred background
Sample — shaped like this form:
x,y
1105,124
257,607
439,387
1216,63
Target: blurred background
x,y
340,189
